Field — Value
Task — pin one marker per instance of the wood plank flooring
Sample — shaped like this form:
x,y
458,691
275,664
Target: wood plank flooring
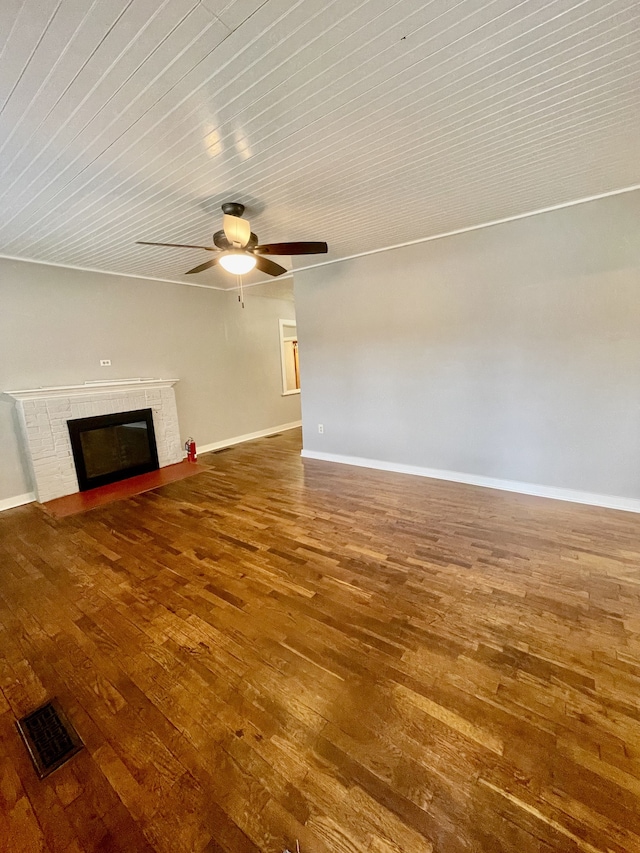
x,y
276,650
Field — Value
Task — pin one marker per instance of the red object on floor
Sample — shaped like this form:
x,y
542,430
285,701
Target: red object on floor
x,y
83,501
190,447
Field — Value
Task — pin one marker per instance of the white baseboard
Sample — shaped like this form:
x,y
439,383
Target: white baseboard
x,y
552,492
238,439
608,501
17,500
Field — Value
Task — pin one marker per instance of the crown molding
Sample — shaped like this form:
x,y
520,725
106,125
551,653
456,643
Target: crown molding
x,y
291,273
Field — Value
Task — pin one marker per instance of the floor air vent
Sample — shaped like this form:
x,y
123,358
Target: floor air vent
x,y
49,737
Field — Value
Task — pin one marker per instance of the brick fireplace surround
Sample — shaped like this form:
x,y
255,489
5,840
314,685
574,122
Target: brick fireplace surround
x,y
43,414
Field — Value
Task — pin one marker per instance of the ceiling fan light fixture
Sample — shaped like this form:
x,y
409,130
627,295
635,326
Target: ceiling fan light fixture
x,y
237,262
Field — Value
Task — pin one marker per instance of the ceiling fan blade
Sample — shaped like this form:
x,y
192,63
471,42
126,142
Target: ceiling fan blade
x,y
270,267
293,248
177,245
236,230
204,266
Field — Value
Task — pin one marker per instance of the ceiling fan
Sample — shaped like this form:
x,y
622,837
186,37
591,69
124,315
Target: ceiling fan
x,y
237,246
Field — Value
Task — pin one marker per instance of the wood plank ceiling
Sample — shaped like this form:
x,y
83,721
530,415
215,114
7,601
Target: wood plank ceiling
x,y
365,124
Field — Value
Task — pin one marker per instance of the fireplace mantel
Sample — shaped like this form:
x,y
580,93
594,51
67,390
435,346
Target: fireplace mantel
x,y
97,387
43,414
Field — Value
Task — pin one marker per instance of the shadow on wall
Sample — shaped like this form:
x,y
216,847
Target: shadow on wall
x,y
16,468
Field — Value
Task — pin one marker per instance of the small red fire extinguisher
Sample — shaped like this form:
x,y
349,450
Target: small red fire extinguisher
x,y
190,447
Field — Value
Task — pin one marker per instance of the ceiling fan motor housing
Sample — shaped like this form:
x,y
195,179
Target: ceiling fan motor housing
x,y
220,240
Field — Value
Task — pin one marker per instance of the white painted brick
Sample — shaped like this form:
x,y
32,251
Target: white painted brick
x,y
48,464
44,424
49,484
43,453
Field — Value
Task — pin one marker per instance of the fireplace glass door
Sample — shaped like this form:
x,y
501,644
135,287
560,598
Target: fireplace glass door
x,y
109,448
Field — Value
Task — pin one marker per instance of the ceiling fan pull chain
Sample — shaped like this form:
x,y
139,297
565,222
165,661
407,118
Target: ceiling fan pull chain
x,y
240,290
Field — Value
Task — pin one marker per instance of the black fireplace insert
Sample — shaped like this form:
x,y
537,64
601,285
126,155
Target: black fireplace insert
x,y
108,448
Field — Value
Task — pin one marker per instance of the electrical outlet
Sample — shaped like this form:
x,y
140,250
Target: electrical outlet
x,y
105,362
321,428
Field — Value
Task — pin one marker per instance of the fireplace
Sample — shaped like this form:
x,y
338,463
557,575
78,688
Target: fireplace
x,y
108,448
44,413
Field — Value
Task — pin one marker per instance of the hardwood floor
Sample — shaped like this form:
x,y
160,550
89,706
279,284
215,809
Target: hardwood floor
x,y
277,649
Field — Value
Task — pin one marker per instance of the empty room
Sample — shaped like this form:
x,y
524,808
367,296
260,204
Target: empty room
x,y
319,426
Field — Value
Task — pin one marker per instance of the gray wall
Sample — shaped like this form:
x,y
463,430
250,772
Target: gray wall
x,y
56,324
511,352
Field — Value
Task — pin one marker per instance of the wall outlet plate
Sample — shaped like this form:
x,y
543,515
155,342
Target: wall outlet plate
x,y
105,362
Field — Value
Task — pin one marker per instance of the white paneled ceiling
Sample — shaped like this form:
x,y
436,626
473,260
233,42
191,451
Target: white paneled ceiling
x,y
365,123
